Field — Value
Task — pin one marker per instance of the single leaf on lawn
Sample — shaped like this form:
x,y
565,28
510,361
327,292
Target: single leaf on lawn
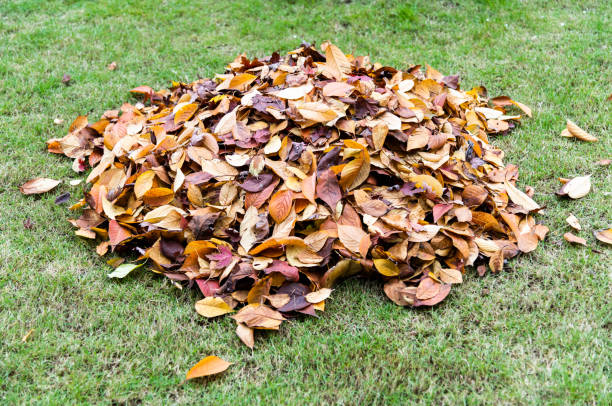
x,y
210,365
604,235
573,222
579,133
38,185
122,270
576,188
574,239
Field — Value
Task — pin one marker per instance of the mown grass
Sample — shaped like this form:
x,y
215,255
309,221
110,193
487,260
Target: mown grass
x,y
537,333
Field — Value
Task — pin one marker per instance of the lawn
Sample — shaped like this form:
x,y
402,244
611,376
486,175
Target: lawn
x,y
539,332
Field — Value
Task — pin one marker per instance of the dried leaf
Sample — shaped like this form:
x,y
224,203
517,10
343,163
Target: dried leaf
x,y
38,185
604,235
569,237
576,188
579,133
573,222
212,307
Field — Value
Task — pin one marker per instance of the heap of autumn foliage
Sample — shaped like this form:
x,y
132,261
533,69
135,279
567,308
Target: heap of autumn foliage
x,y
270,183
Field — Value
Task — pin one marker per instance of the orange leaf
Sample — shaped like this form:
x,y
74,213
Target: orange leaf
x,y
280,205
158,196
210,365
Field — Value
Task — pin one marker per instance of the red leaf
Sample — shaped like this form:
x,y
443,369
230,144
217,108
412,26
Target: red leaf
x,y
117,233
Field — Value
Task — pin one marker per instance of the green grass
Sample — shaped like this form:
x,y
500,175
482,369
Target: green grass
x,y
537,333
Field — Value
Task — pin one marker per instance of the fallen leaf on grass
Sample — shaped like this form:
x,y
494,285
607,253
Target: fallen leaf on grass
x,y
574,239
27,335
573,222
604,235
210,365
63,198
28,224
123,270
38,185
576,188
574,131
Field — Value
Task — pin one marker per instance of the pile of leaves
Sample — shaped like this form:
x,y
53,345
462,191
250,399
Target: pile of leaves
x,y
272,182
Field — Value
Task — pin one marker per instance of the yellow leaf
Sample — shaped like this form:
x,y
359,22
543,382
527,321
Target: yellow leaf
x,y
185,112
337,64
212,307
386,267
241,82
143,183
430,181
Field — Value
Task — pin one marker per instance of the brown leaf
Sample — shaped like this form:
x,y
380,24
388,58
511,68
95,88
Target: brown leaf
x,y
569,237
355,239
328,189
259,316
38,185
